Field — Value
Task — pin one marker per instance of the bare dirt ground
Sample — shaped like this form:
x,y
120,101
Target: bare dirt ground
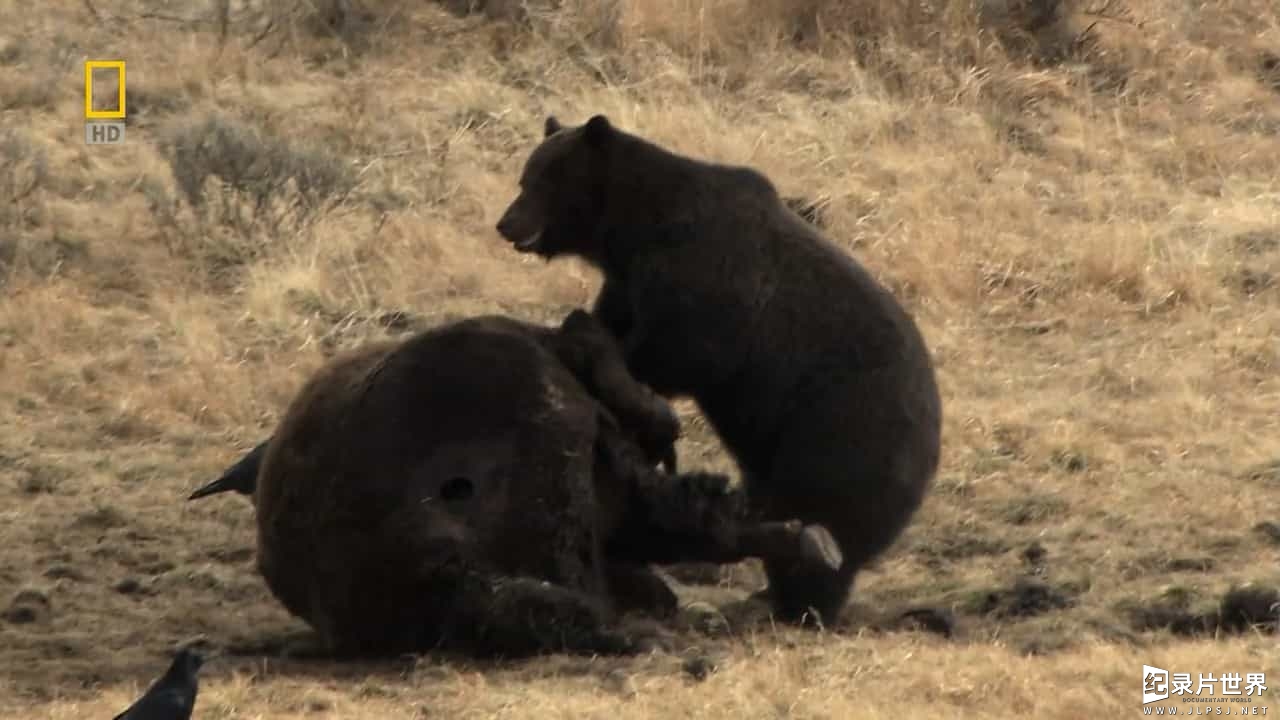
x,y
1086,224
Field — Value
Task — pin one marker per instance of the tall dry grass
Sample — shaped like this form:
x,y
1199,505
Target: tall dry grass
x,y
1079,202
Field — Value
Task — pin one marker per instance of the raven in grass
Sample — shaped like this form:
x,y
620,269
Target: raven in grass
x,y
173,695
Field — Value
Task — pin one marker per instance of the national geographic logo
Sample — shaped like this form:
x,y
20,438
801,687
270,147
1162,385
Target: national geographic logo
x,y
104,102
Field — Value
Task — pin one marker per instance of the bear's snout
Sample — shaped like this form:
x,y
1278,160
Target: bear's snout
x,y
516,228
505,225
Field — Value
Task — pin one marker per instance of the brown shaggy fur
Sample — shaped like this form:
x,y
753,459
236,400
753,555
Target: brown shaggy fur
x,y
458,489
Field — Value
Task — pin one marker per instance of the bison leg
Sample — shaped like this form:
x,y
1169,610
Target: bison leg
x,y
698,517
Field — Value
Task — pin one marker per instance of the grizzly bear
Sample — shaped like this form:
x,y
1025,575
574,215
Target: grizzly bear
x,y
456,490
815,378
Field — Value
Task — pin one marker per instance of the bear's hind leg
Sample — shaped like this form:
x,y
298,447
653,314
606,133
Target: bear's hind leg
x,y
808,594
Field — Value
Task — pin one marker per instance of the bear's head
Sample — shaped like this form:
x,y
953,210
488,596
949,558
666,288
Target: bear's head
x,y
562,190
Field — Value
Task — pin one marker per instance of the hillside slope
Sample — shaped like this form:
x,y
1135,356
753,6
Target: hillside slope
x,y
1081,205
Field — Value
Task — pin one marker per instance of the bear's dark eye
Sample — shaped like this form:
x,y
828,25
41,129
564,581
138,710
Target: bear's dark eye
x,y
457,489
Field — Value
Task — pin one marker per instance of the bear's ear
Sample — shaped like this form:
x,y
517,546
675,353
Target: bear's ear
x,y
597,131
551,126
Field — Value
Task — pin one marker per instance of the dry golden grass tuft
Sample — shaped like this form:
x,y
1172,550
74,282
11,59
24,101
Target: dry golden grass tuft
x,y
1080,202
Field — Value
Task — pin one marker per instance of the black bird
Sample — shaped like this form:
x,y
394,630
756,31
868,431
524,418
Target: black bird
x,y
173,695
241,477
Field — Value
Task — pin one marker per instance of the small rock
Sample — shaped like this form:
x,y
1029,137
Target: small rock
x,y
620,682
128,586
705,618
932,619
21,615
1269,530
1035,554
157,567
63,572
28,606
699,667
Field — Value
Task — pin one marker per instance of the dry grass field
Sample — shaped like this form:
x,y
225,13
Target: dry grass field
x,y
1080,204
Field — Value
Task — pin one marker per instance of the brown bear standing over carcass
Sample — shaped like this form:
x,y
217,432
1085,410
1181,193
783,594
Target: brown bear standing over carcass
x,y
812,374
458,489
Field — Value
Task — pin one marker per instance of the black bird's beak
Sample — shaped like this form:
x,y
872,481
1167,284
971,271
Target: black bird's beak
x,y
221,485
242,477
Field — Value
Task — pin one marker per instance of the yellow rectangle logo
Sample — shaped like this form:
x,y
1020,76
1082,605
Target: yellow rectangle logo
x,y
89,112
